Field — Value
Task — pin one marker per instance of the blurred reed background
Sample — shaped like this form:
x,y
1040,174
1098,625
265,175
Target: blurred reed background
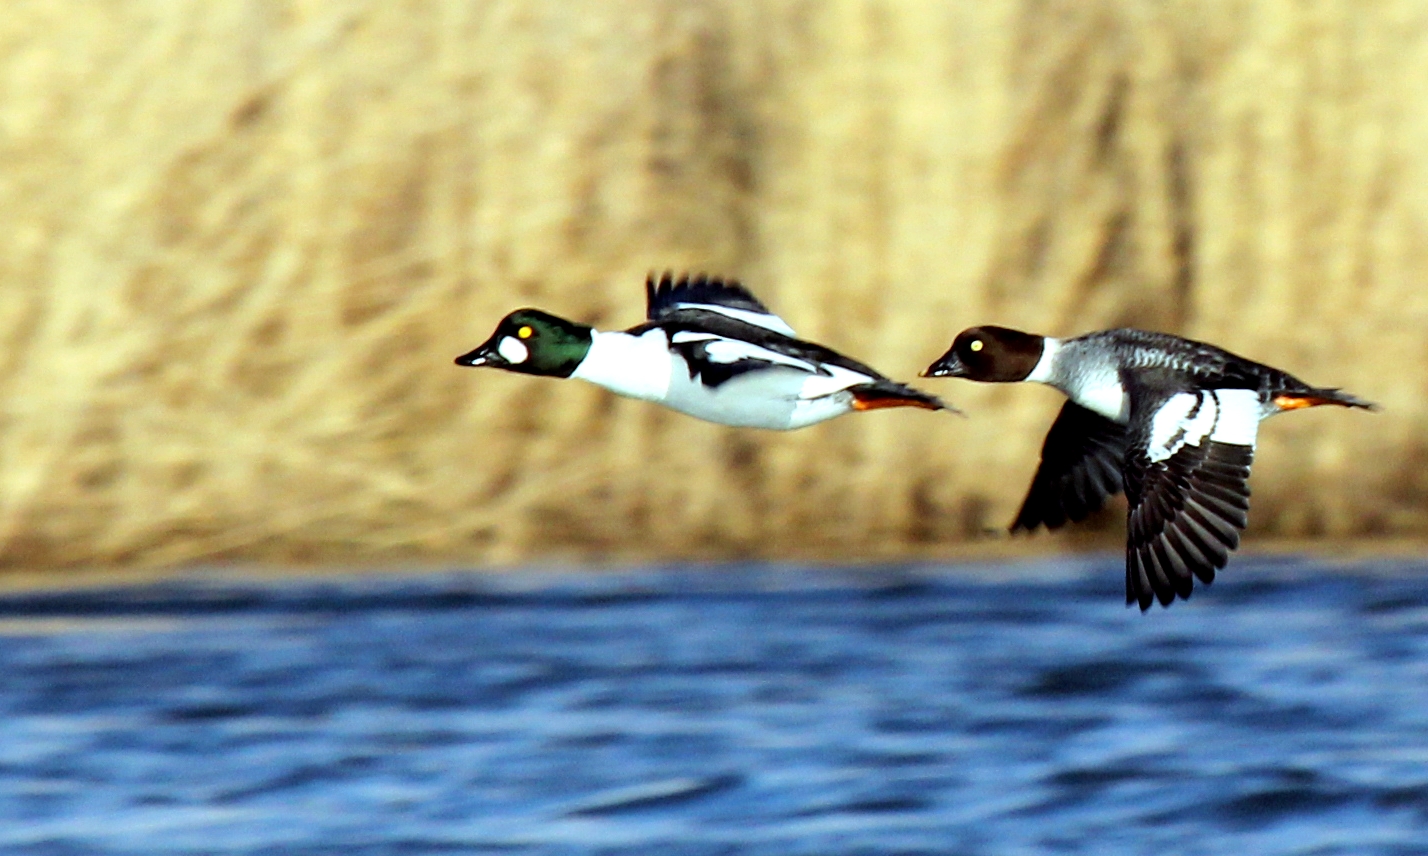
x,y
241,243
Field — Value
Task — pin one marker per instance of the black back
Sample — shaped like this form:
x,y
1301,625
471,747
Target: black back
x,y
1163,363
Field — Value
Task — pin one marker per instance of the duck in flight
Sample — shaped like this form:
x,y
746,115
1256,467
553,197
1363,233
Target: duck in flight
x,y
1170,421
707,348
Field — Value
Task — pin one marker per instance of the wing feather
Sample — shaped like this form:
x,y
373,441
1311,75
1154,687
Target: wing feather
x,y
1188,492
668,296
1080,469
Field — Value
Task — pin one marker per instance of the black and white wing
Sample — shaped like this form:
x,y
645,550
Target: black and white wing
x,y
722,332
807,370
668,297
715,359
1186,477
1081,462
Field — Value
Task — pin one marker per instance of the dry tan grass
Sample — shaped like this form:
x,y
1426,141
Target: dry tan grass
x,y
241,243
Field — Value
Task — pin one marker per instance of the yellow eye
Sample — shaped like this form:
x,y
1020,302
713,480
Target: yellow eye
x,y
976,345
525,332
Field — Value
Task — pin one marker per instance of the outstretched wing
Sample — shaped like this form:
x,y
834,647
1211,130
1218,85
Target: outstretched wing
x,y
1081,462
669,296
1187,480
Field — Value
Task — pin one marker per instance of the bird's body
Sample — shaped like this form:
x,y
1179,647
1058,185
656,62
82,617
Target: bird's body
x,y
647,365
708,349
1100,370
1171,421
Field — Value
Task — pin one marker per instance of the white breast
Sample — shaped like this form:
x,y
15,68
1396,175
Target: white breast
x,y
1088,378
1098,388
1104,394
636,366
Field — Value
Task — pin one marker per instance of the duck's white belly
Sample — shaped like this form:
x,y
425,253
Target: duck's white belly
x,y
776,398
769,398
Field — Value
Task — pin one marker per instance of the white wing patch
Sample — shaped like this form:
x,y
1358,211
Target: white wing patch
x,y
728,351
1186,417
1189,418
758,319
1240,412
822,380
691,336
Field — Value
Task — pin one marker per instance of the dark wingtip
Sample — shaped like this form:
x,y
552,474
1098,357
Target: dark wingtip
x,y
1026,520
1351,400
939,404
669,289
1031,517
657,287
1019,526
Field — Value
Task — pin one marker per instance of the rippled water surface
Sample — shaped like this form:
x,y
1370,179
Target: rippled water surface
x,y
722,711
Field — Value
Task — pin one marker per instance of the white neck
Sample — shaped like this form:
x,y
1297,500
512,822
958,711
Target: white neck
x,y
1045,368
1091,380
636,366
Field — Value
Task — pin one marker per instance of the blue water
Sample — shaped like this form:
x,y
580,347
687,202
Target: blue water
x,y
721,711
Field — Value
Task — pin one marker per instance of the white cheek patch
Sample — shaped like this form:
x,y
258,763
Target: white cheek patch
x,y
513,350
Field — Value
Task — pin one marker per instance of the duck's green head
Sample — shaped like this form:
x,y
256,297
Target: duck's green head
x,y
533,342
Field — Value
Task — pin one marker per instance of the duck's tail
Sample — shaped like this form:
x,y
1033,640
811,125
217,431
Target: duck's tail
x,y
887,393
1312,397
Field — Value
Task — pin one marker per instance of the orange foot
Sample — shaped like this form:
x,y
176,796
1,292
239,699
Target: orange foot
x,y
1290,401
881,401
